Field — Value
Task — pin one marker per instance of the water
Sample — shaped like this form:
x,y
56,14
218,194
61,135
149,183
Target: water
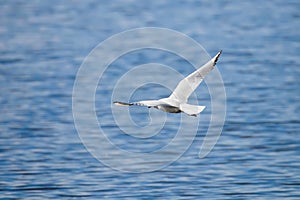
x,y
42,46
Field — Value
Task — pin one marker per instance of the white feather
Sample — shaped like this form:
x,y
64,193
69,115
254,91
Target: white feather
x,y
177,101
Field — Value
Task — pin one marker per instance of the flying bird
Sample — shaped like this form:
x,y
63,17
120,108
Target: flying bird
x,y
177,101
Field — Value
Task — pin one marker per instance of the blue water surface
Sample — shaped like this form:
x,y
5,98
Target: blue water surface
x,y
42,45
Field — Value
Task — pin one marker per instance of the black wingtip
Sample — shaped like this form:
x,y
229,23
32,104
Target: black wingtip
x,y
119,103
217,57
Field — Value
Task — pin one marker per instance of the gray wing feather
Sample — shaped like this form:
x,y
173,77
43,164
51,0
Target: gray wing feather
x,y
187,86
148,103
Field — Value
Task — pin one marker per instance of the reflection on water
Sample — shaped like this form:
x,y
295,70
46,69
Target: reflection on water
x,y
42,46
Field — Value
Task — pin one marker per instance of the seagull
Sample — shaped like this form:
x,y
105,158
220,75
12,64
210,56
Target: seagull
x,y
177,101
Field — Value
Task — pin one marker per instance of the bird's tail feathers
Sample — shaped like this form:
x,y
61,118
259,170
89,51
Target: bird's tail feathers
x,y
192,110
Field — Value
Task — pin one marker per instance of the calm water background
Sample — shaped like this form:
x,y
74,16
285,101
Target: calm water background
x,y
42,44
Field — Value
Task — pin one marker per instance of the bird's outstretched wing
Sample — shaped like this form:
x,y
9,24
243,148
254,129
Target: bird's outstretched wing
x,y
148,103
187,86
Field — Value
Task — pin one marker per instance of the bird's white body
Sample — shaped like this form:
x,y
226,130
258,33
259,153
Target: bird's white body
x,y
177,101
